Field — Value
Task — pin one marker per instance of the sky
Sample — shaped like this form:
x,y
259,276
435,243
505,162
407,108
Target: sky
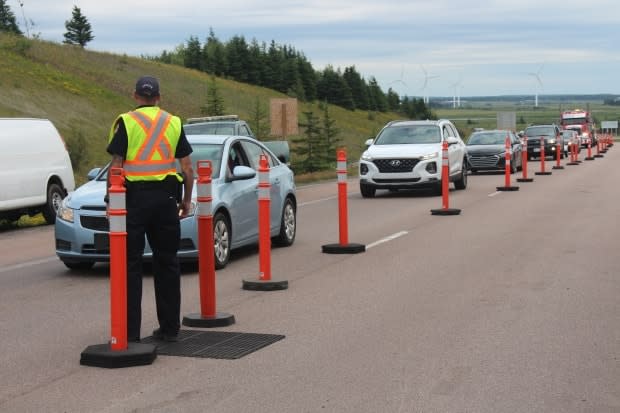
x,y
417,48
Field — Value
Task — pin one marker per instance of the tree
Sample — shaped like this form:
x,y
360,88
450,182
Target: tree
x,y
8,24
78,29
308,147
331,141
215,102
259,120
192,57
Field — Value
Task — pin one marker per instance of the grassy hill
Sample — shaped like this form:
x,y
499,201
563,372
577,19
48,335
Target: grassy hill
x,y
82,92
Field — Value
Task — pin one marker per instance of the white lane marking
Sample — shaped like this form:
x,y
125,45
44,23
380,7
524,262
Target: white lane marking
x,y
316,201
27,264
495,193
387,239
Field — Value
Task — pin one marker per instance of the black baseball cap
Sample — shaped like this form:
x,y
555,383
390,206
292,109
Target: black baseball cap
x,y
147,86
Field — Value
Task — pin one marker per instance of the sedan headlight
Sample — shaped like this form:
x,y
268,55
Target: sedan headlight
x,y
366,157
429,156
551,141
65,212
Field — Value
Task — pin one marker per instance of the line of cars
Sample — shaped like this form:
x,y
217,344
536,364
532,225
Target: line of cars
x,y
81,229
407,154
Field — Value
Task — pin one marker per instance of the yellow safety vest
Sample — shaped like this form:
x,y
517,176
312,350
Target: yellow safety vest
x,y
152,138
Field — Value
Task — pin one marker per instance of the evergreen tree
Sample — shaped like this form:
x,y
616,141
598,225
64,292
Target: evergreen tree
x,y
237,55
359,89
214,56
79,31
259,120
307,148
393,101
8,24
331,141
378,101
215,102
332,88
192,57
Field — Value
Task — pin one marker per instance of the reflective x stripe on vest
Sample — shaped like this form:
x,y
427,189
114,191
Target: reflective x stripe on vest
x,y
146,163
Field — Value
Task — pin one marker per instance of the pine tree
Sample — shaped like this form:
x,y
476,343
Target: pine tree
x,y
8,23
307,148
79,31
259,120
192,57
215,102
330,139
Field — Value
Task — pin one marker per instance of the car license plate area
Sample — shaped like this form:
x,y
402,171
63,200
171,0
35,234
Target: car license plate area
x,y
536,149
102,243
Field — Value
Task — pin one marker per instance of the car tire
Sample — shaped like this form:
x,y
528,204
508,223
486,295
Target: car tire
x,y
79,265
461,183
288,225
367,191
55,195
221,240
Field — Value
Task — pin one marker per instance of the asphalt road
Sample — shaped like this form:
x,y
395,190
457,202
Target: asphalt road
x,y
511,306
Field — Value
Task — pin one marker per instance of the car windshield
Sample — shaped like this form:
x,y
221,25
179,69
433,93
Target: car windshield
x,y
487,138
209,129
210,152
540,131
411,134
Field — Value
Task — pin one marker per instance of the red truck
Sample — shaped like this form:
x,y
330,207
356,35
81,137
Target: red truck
x,y
581,121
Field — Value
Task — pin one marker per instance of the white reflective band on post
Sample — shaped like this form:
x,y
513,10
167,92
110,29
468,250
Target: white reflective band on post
x,y
341,166
444,161
263,177
203,190
117,200
204,209
263,192
342,177
117,223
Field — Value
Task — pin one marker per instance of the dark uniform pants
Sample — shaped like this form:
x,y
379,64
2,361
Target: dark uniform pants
x,y
152,210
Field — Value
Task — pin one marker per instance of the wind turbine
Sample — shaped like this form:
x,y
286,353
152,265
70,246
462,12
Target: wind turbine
x,y
400,80
536,75
456,98
425,98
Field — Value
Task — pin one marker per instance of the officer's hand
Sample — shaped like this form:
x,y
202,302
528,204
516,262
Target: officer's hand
x,y
184,208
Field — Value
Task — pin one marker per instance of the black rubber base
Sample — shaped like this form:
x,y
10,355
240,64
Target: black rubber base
x,y
220,320
573,163
542,173
343,248
102,355
507,188
598,156
260,285
589,158
525,179
557,167
445,211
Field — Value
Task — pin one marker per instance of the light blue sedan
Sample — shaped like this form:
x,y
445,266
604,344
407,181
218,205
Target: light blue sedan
x,y
81,228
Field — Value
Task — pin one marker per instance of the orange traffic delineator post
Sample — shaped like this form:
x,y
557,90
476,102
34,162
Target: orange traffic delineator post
x,y
589,157
542,159
574,155
208,316
599,143
524,155
343,246
508,161
118,352
264,281
558,156
445,185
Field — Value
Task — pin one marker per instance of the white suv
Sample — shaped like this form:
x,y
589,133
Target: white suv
x,y
407,155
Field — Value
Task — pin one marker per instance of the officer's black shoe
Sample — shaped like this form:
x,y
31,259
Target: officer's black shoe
x,y
160,335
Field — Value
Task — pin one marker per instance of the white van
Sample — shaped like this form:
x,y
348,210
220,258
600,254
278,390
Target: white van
x,y
35,168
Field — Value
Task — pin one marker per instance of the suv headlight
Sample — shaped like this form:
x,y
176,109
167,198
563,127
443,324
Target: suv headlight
x,y
366,157
64,212
429,156
551,140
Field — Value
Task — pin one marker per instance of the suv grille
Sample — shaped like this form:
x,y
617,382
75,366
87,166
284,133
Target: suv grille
x,y
395,165
95,223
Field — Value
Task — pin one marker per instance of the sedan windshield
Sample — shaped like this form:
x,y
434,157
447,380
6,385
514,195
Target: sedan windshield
x,y
416,134
210,152
487,138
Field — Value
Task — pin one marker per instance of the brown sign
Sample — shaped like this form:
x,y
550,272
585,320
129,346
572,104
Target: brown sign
x,y
283,117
